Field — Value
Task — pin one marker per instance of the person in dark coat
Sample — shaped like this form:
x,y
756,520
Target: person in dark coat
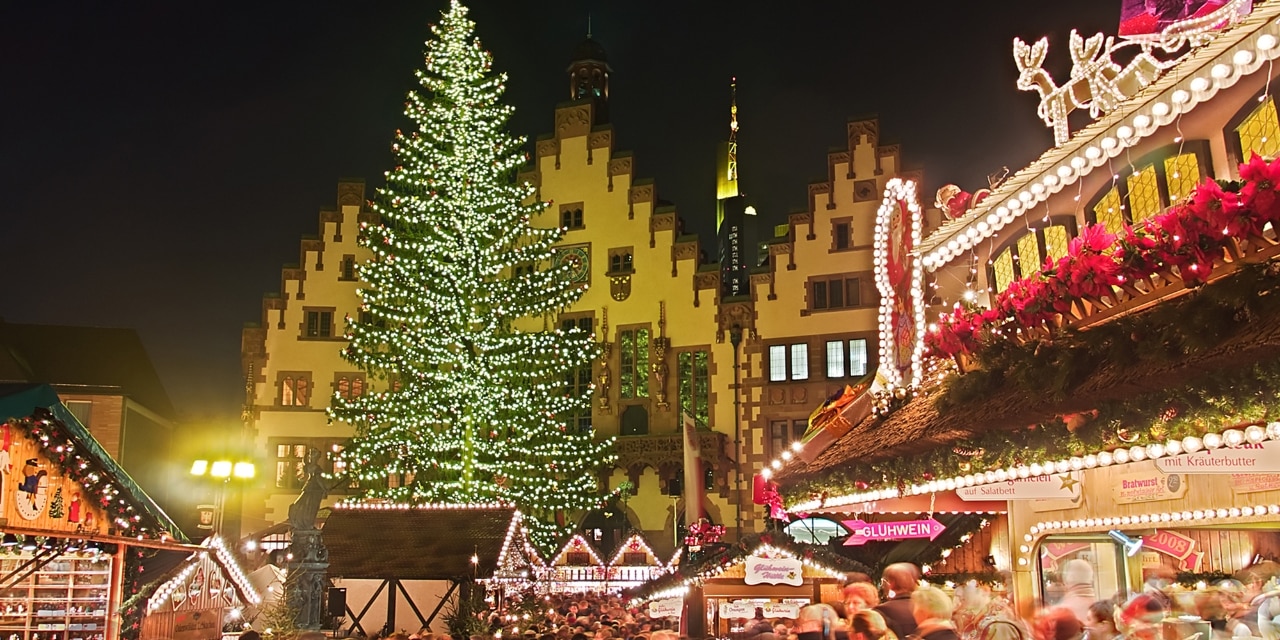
x,y
899,580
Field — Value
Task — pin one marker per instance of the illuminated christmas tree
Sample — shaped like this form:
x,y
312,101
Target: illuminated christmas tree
x,y
476,410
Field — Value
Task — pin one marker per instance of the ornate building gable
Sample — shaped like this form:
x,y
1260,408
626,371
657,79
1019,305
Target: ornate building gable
x,y
293,277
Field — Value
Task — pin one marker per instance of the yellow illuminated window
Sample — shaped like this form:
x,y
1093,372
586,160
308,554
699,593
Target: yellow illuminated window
x,y
1029,254
1055,241
1260,132
1108,213
1144,194
1003,267
1182,174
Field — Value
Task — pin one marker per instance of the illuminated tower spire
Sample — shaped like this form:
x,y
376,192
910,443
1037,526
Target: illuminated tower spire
x,y
732,227
727,160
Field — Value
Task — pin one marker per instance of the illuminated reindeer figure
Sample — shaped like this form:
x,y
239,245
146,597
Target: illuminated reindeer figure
x,y
1109,85
1096,82
1053,107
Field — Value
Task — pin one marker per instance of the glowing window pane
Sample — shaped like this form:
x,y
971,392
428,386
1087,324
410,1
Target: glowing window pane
x,y
1144,194
1182,174
1055,241
858,357
1260,132
777,363
799,362
1108,213
835,359
1029,254
1003,267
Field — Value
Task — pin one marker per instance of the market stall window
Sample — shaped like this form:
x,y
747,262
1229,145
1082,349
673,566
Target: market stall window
x,y
1182,174
1149,184
1029,260
1259,132
1076,571
1056,239
815,530
1144,194
1002,267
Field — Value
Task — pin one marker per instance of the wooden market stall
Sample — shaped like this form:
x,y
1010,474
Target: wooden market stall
x,y
76,528
714,590
201,597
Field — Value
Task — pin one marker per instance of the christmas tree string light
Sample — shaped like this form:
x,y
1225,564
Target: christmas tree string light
x,y
476,410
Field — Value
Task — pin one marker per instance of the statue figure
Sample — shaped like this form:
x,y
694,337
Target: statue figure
x,y
303,511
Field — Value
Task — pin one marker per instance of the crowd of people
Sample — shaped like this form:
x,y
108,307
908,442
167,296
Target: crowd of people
x,y
902,607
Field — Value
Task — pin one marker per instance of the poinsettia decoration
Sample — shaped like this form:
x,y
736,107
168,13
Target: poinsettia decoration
x,y
1180,243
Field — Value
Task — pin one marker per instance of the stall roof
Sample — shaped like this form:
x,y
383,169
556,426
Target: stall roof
x,y
920,426
420,542
24,400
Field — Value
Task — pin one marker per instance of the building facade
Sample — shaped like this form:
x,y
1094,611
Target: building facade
x,y
747,368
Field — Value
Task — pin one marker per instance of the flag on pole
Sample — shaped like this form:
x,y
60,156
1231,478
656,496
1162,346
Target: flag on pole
x,y
692,472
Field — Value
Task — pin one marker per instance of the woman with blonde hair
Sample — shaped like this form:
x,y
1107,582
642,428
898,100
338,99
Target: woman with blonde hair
x,y
870,625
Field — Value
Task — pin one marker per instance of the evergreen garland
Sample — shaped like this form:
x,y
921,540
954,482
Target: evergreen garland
x,y
1056,369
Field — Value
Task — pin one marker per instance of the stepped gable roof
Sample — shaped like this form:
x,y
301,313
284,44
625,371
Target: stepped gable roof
x,y
418,542
23,400
919,426
95,359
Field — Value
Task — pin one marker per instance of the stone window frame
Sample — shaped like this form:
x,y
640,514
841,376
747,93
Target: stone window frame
x,y
836,223
287,387
576,218
626,261
303,327
347,268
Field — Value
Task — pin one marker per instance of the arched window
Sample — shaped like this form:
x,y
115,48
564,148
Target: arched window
x,y
815,530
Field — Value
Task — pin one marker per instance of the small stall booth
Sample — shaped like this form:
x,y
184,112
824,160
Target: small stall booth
x,y
76,529
716,590
579,568
196,600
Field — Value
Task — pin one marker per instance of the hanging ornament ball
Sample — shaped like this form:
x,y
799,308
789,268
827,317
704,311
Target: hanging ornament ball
x,y
861,485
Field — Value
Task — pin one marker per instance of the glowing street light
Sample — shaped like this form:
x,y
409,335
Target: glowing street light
x,y
223,470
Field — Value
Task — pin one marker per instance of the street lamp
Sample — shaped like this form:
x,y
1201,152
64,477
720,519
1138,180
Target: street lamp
x,y
223,470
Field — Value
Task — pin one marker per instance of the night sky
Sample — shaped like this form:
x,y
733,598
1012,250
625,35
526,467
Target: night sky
x,y
161,160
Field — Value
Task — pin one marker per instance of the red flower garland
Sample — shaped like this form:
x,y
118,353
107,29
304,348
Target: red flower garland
x,y
1187,237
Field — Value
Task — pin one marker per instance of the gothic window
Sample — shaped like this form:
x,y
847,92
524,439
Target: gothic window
x,y
695,384
634,353
578,379
295,389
